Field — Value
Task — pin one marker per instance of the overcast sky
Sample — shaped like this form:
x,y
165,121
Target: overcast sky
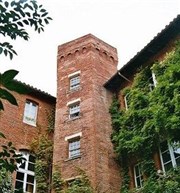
x,y
127,25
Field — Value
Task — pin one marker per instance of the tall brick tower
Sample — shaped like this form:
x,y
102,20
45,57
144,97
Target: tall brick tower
x,y
83,123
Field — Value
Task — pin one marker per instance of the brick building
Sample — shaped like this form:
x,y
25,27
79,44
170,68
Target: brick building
x,y
87,80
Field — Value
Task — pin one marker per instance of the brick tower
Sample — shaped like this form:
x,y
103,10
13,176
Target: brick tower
x,y
83,123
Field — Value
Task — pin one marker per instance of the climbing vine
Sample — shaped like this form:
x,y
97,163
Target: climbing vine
x,y
152,116
81,184
43,149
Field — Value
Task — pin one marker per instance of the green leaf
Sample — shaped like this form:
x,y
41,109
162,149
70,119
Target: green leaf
x,y
26,22
1,50
9,143
20,23
4,94
6,4
2,135
8,76
1,106
17,87
44,14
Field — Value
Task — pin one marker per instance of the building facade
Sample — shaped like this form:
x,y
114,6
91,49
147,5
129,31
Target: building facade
x,y
87,81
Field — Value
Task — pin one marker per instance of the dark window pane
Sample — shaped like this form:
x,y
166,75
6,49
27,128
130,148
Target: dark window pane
x,y
137,170
18,185
23,165
32,159
178,161
138,181
166,157
168,166
20,176
30,179
164,146
31,167
29,188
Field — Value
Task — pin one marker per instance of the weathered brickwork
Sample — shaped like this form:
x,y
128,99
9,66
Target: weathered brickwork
x,y
11,120
96,62
12,125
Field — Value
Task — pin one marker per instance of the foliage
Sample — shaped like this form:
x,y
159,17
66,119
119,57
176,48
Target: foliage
x,y
8,164
152,116
9,158
43,149
169,183
80,185
57,181
51,121
8,82
5,182
15,16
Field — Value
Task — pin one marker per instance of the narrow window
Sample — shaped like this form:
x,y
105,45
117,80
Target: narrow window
x,y
170,155
126,101
138,177
30,113
25,176
74,147
153,81
74,83
74,110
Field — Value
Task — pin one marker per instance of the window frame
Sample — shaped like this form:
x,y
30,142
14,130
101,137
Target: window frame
x,y
153,80
74,138
74,106
27,117
72,147
126,101
138,176
26,172
73,86
170,150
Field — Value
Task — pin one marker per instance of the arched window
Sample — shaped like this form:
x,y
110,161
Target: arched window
x,y
25,176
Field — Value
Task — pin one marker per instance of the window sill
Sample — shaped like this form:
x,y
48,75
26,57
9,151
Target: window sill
x,y
73,158
73,119
73,90
31,124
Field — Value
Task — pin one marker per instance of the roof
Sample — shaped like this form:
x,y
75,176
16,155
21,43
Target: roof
x,y
151,49
37,92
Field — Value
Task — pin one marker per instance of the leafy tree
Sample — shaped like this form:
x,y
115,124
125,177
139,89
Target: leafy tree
x,y
152,116
15,16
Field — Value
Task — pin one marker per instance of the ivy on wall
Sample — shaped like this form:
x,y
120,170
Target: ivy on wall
x,y
152,116
43,149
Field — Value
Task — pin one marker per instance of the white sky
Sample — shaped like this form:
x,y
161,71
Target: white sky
x,y
127,25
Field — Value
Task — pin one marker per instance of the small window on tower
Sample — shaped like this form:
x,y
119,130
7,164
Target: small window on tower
x,y
74,81
74,149
74,108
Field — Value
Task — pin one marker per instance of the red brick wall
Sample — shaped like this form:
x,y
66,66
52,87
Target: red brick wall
x,y
11,121
97,62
